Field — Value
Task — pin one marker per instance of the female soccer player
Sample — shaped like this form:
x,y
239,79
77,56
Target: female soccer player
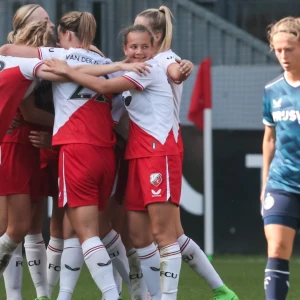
x,y
84,173
16,141
159,22
154,180
281,172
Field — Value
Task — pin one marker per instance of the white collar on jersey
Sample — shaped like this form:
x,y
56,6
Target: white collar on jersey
x,y
292,84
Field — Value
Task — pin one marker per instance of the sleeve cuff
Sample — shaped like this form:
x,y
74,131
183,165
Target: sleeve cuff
x,y
265,122
138,85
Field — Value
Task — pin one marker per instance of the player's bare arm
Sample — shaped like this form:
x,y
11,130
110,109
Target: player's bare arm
x,y
180,70
99,85
101,70
44,73
268,148
19,51
35,115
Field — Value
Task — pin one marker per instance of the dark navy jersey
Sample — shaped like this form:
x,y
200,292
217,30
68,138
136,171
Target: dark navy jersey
x,y
281,109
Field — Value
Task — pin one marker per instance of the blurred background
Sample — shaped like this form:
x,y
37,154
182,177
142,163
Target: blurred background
x,y
233,34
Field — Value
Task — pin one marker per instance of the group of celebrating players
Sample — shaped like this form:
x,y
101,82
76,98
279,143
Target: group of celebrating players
x,y
109,134
116,152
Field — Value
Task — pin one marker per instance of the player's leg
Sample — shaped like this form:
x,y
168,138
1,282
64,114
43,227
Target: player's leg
x,y
14,271
71,262
3,214
112,239
137,282
19,211
140,232
163,199
194,256
55,246
35,249
13,275
82,169
139,228
281,214
163,228
15,173
56,242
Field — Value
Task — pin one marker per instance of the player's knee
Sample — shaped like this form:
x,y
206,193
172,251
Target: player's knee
x,y
140,240
279,249
17,232
164,235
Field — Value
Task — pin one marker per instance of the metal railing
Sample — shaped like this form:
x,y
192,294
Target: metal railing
x,y
198,33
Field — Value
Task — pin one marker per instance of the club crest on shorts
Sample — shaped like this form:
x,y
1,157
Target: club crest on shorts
x,y
268,202
156,179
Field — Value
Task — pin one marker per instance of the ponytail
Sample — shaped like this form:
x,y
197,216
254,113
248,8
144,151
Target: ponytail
x,y
166,40
87,29
83,24
160,21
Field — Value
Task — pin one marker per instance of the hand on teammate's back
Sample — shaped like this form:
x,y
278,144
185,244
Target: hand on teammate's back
x,y
17,122
186,66
41,139
56,66
139,68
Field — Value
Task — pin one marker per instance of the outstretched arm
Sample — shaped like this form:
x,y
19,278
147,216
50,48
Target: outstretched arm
x,y
99,85
19,51
43,72
101,70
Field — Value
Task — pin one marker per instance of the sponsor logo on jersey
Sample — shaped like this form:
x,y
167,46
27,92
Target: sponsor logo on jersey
x,y
156,179
277,103
156,193
268,202
286,115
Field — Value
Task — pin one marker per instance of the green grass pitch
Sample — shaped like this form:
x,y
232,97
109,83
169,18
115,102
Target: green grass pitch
x,y
244,274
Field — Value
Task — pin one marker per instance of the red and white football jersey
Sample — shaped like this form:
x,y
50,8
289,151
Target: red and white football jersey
x,y
81,115
165,59
151,110
16,82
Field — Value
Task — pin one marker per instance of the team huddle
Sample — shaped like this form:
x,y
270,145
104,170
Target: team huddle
x,y
109,135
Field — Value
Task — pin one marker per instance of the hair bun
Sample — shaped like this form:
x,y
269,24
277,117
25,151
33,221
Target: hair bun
x,y
162,9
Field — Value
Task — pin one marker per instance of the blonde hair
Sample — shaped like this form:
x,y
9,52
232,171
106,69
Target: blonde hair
x,y
160,21
83,24
35,34
288,25
21,17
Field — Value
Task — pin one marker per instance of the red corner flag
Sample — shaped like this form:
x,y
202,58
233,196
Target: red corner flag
x,y
201,97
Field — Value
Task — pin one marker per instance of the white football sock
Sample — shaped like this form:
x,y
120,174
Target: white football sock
x,y
7,247
13,275
137,283
71,265
197,260
170,269
150,265
54,252
117,253
100,267
37,262
118,280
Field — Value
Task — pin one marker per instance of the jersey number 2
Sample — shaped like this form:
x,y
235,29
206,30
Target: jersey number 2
x,y
79,95
86,96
